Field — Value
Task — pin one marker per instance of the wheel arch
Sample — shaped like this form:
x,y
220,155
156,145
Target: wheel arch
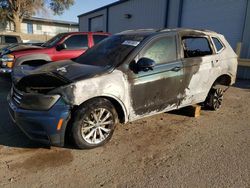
x,y
224,79
117,103
26,59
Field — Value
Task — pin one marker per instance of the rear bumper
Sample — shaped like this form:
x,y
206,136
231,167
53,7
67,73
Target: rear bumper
x,y
42,126
5,70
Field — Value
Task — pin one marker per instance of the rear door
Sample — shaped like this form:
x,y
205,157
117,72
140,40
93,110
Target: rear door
x,y
157,89
198,67
76,45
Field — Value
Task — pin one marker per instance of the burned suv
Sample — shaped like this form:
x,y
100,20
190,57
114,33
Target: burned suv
x,y
126,77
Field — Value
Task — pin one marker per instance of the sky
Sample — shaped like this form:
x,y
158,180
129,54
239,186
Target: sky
x,y
80,7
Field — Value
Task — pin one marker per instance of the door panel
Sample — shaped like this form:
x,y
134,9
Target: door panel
x,y
76,45
158,89
197,76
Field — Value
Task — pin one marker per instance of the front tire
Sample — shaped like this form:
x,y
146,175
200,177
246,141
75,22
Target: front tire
x,y
94,123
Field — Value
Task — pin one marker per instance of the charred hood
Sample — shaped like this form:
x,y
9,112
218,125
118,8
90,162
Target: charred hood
x,y
52,75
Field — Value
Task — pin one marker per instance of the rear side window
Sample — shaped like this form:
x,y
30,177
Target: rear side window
x,y
162,50
99,38
77,42
196,47
217,44
10,39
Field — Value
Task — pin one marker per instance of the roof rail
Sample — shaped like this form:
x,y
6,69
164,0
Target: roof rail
x,y
128,31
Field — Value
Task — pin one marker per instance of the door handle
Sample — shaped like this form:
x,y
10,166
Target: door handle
x,y
176,69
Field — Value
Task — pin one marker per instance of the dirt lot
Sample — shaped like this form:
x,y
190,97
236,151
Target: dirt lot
x,y
167,150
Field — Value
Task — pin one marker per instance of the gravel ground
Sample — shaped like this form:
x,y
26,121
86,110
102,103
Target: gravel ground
x,y
166,150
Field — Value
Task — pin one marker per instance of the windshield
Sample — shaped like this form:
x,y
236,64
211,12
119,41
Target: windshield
x,y
50,43
111,51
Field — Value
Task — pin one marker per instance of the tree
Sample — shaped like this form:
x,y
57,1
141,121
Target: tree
x,y
17,10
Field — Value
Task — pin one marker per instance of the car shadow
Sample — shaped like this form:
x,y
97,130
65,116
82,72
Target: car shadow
x,y
10,135
187,111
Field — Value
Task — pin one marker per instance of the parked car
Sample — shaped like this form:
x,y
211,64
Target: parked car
x,y
62,46
14,47
6,40
126,77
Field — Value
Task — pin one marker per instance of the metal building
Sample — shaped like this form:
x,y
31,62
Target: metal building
x,y
229,17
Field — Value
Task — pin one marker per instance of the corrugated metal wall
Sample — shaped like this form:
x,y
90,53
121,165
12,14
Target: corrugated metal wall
x,y
145,14
243,72
224,16
229,17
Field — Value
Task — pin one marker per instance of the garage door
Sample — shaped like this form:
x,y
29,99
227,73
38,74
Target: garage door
x,y
97,23
224,16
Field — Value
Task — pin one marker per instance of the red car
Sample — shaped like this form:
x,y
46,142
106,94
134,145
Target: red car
x,y
62,46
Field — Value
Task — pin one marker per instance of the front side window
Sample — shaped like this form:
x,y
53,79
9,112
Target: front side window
x,y
10,39
196,47
217,44
162,50
77,42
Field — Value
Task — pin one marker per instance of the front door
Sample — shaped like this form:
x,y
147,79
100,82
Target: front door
x,y
158,89
76,45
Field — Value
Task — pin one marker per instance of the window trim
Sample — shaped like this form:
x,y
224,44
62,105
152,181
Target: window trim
x,y
149,43
223,46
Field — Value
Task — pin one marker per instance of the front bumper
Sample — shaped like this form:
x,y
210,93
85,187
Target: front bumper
x,y
42,126
5,70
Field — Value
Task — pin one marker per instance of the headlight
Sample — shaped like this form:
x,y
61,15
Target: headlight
x,y
8,60
38,102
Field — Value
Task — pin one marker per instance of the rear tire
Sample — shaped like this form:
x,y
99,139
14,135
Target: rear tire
x,y
214,98
94,123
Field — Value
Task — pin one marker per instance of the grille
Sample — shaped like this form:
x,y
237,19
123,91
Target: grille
x,y
17,96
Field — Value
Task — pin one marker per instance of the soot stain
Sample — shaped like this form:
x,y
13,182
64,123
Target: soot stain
x,y
49,159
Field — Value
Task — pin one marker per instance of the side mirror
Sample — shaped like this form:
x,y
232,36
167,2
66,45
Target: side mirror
x,y
145,64
60,47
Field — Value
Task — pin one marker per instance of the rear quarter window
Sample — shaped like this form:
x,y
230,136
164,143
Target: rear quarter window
x,y
196,47
218,45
